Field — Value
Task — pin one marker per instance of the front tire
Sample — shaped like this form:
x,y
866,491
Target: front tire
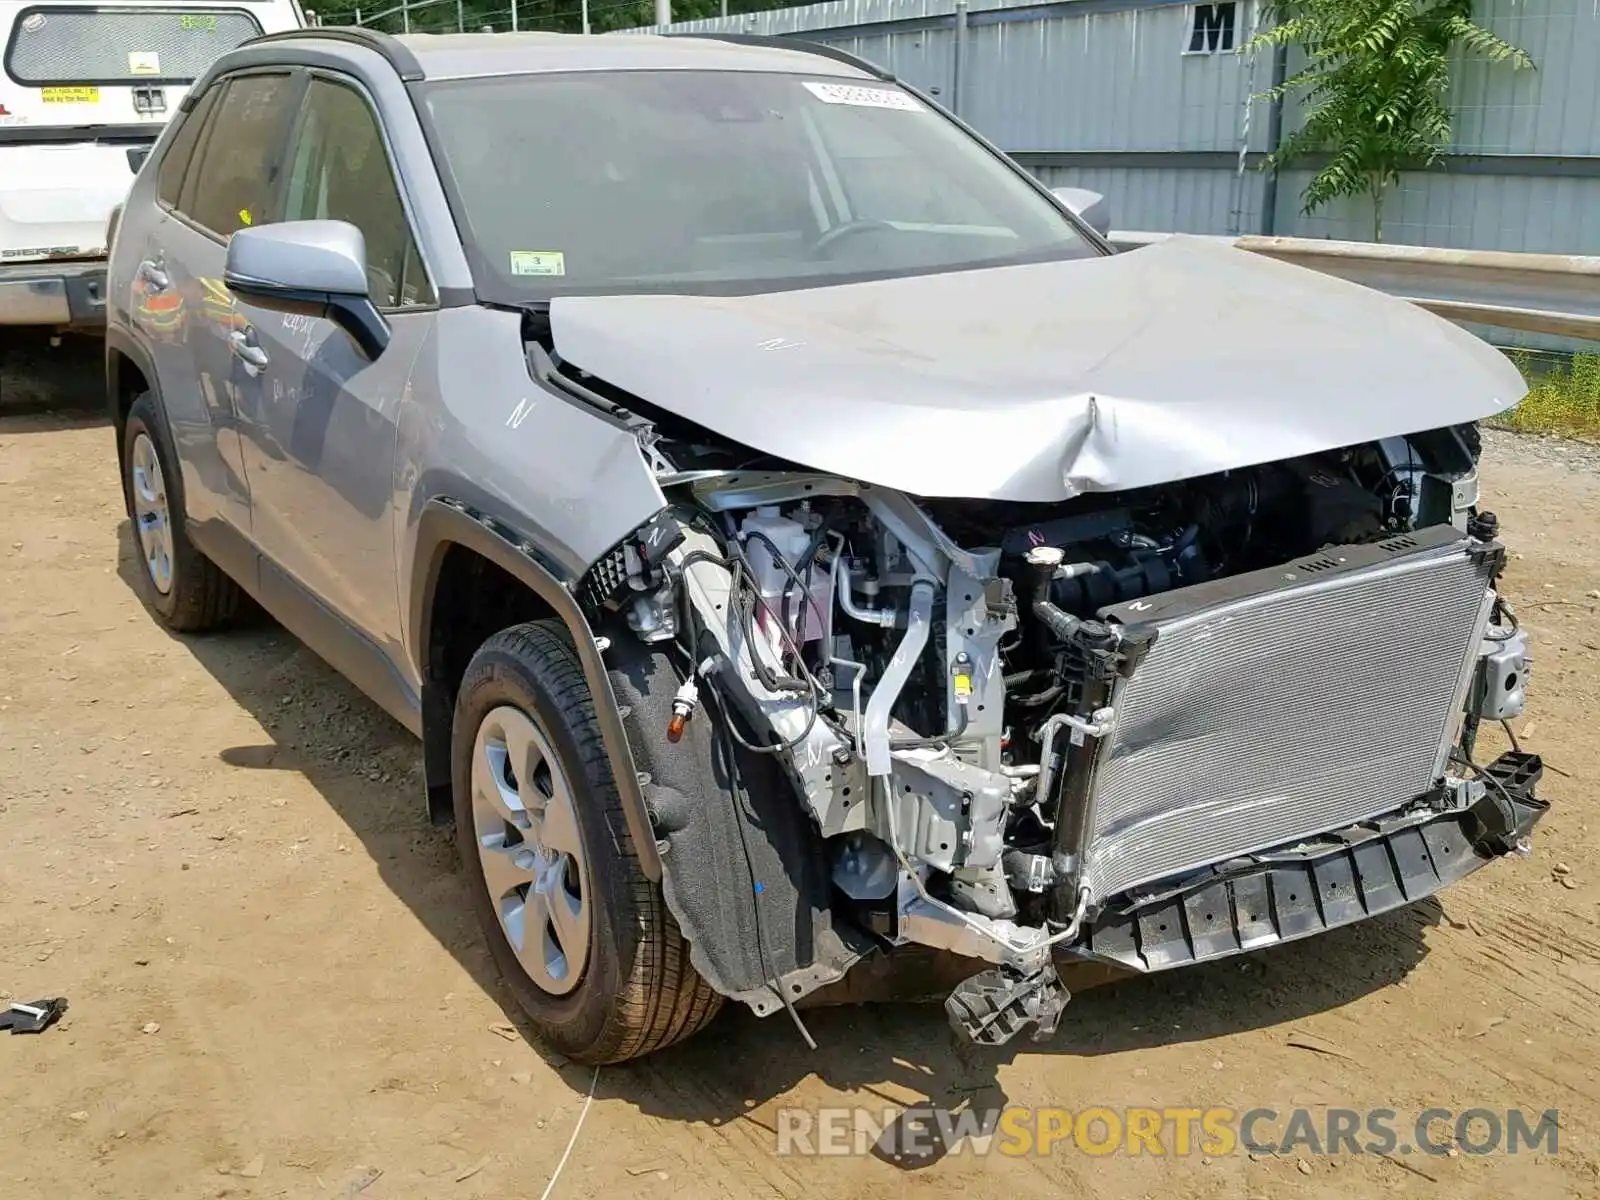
x,y
581,936
186,590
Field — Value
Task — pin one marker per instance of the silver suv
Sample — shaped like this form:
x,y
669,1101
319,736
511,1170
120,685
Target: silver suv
x,y
796,537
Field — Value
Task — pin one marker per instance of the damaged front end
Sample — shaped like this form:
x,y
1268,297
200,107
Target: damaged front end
x,y
1146,728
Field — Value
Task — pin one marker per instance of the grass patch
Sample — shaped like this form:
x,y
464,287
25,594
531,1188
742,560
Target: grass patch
x,y
1563,398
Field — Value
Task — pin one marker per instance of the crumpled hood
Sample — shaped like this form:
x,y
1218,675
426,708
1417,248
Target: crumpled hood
x,y
1045,381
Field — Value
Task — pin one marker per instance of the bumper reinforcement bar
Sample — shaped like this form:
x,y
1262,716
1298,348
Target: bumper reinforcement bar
x,y
1370,873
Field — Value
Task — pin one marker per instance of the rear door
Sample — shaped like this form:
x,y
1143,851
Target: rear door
x,y
232,179
85,89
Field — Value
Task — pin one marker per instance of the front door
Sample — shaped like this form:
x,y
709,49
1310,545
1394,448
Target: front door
x,y
321,427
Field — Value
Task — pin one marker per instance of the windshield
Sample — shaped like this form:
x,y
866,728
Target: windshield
x,y
59,47
721,181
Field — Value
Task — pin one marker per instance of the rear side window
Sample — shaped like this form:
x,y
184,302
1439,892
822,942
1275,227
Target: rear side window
x,y
175,162
52,46
233,181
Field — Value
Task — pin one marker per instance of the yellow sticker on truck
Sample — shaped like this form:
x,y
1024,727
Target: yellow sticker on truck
x,y
70,95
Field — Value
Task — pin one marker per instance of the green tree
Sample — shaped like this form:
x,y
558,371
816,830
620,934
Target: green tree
x,y
1376,85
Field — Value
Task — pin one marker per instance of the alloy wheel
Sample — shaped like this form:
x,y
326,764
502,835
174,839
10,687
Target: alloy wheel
x,y
526,826
152,515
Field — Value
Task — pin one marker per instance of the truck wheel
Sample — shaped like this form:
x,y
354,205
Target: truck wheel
x,y
186,590
582,937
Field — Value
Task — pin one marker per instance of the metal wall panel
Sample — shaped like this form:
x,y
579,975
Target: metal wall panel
x,y
1106,77
1081,75
1552,110
1109,81
1176,200
1499,212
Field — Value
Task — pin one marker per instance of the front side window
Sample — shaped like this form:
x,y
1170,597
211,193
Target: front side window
x,y
59,47
234,178
721,181
340,171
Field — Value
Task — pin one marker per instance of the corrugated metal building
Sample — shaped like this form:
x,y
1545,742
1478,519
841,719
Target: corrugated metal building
x,y
1148,102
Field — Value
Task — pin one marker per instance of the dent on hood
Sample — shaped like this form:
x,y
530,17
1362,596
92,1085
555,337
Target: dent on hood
x,y
1045,381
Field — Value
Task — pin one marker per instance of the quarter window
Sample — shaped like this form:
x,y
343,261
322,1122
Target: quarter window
x,y
239,164
340,171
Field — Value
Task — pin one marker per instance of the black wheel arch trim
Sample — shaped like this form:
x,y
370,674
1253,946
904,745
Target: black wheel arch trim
x,y
119,342
444,523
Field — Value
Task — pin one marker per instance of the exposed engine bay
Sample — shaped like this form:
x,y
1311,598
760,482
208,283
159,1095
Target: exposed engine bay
x,y
1016,731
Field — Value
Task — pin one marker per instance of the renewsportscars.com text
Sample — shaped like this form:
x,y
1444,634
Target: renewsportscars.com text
x,y
1097,1131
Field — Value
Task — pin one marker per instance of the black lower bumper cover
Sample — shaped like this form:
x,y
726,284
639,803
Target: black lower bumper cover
x,y
1369,870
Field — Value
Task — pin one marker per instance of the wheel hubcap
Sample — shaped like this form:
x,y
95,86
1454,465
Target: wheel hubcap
x,y
151,515
528,843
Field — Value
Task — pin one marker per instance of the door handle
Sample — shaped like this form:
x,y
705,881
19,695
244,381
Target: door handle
x,y
154,276
245,348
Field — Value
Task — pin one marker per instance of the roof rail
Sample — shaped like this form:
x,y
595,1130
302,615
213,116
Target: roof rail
x,y
399,55
821,49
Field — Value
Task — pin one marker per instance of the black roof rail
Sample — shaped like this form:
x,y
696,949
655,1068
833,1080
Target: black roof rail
x,y
795,42
399,55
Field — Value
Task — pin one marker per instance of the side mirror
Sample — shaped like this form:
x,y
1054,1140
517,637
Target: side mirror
x,y
315,268
1090,207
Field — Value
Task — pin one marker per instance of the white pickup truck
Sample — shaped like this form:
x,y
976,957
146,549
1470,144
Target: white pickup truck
x,y
85,89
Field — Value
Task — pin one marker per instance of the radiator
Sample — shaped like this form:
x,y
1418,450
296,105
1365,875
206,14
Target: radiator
x,y
1284,703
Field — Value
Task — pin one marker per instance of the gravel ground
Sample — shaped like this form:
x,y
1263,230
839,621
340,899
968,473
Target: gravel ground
x,y
1514,450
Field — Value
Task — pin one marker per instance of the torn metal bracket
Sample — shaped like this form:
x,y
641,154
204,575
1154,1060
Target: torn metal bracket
x,y
993,1006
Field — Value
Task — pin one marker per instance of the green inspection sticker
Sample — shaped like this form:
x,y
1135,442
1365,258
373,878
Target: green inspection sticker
x,y
538,262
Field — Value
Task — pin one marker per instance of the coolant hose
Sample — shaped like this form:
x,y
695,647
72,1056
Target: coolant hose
x,y
1060,622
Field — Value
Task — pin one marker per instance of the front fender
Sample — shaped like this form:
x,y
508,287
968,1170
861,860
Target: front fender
x,y
444,523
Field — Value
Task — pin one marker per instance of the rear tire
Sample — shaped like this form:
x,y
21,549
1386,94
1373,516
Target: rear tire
x,y
526,751
186,590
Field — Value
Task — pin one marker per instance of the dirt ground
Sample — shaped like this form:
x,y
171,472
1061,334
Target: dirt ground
x,y
216,849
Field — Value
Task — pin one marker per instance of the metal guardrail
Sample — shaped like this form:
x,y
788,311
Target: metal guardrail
x,y
1555,294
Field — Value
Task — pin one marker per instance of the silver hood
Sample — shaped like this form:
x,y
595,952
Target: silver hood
x,y
1045,381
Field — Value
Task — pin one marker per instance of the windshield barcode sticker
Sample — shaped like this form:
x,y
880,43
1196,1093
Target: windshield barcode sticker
x,y
863,97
